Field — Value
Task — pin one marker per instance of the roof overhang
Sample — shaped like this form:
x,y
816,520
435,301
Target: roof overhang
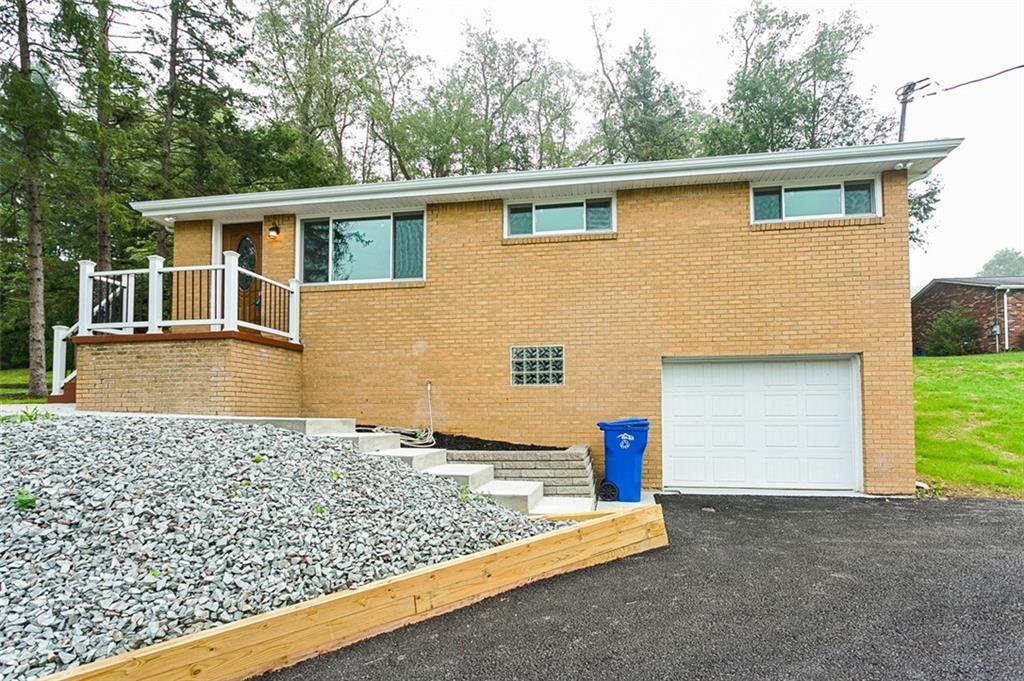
x,y
917,158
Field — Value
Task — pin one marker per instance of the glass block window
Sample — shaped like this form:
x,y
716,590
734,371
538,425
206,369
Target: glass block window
x,y
803,202
389,247
538,365
591,215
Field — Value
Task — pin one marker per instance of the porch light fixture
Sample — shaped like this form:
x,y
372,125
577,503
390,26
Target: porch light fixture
x,y
169,219
274,231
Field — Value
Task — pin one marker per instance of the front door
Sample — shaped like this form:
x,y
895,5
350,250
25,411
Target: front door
x,y
246,239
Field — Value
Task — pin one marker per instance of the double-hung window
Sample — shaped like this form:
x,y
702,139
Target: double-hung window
x,y
562,217
851,198
383,248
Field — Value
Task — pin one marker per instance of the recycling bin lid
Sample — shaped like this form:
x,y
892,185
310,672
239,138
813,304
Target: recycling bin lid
x,y
631,422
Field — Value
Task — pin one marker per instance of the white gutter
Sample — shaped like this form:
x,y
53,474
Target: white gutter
x,y
900,155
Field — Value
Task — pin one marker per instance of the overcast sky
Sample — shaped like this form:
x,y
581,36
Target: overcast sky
x,y
982,207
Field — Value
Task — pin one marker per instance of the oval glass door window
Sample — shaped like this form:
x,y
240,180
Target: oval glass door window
x,y
247,260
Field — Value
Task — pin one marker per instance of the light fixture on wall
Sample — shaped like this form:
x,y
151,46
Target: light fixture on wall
x,y
274,231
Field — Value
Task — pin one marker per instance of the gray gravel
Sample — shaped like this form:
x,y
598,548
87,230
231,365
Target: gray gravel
x,y
148,529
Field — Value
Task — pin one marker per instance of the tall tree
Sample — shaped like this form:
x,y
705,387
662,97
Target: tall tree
x,y
494,73
644,117
794,87
106,119
29,118
196,48
310,63
1006,262
921,204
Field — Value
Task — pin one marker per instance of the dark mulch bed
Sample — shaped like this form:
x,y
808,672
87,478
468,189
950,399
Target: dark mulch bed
x,y
463,442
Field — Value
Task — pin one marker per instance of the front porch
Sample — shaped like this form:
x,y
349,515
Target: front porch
x,y
219,339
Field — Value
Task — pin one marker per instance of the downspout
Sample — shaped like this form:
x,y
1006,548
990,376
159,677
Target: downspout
x,y
1006,320
1006,311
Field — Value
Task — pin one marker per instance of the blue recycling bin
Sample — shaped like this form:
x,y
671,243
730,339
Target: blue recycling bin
x,y
625,441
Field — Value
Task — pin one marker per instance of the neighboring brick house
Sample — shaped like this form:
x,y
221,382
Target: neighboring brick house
x,y
756,308
995,303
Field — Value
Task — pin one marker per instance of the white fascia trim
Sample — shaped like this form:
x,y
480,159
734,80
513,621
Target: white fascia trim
x,y
901,152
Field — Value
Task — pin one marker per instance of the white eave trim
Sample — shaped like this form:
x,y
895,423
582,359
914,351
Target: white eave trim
x,y
497,184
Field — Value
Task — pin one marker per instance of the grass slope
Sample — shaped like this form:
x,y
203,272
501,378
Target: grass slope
x,y
14,387
970,422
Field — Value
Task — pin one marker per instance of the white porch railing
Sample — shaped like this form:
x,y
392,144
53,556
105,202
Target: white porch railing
x,y
224,297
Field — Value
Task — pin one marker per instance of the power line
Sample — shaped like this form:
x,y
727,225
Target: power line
x,y
977,80
905,93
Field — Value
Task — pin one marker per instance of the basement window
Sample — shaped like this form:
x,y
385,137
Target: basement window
x,y
538,365
813,201
381,248
561,217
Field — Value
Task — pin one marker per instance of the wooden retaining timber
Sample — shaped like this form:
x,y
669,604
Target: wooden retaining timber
x,y
281,638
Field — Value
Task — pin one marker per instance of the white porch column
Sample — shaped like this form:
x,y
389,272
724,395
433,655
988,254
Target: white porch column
x,y
156,294
85,270
230,291
60,359
293,310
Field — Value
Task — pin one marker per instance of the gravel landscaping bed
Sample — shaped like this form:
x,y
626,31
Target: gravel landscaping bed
x,y
116,533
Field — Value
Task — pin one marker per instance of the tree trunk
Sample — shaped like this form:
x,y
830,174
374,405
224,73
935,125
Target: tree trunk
x,y
36,310
104,255
170,102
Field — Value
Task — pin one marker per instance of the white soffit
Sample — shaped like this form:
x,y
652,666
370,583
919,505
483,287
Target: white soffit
x,y
918,158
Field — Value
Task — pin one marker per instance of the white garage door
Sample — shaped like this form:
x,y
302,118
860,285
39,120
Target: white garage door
x,y
762,424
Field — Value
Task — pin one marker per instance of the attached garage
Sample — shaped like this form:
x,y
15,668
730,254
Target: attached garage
x,y
762,424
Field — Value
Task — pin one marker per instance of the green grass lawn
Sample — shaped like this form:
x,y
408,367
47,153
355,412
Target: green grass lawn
x,y
14,387
970,423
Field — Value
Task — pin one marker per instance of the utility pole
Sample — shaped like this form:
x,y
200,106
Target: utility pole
x,y
905,95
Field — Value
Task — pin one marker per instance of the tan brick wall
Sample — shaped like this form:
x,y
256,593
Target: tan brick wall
x,y
279,253
224,376
685,276
192,246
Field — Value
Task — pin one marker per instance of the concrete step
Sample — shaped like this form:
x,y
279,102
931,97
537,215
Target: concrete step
x,y
519,495
473,475
417,458
369,442
320,427
563,505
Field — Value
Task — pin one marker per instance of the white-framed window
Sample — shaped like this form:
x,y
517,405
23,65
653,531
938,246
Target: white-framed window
x,y
388,247
813,200
538,365
559,216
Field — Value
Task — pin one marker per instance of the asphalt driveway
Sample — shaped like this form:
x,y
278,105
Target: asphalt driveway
x,y
757,588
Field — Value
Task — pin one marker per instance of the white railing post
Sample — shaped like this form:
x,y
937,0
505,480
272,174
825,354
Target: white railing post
x,y
230,291
156,294
85,270
128,301
293,310
60,359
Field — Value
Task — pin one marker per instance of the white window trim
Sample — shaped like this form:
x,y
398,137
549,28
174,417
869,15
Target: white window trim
x,y
300,225
549,201
876,181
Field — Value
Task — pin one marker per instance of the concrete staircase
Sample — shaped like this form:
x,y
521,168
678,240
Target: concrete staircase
x,y
525,496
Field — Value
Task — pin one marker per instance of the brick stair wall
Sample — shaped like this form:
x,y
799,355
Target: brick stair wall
x,y
564,472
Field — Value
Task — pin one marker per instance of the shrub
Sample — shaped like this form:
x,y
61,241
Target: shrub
x,y
952,332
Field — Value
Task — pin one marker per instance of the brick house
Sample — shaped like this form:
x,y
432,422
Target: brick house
x,y
995,303
755,308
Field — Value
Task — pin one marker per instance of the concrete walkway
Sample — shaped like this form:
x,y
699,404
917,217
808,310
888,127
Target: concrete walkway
x,y
750,588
